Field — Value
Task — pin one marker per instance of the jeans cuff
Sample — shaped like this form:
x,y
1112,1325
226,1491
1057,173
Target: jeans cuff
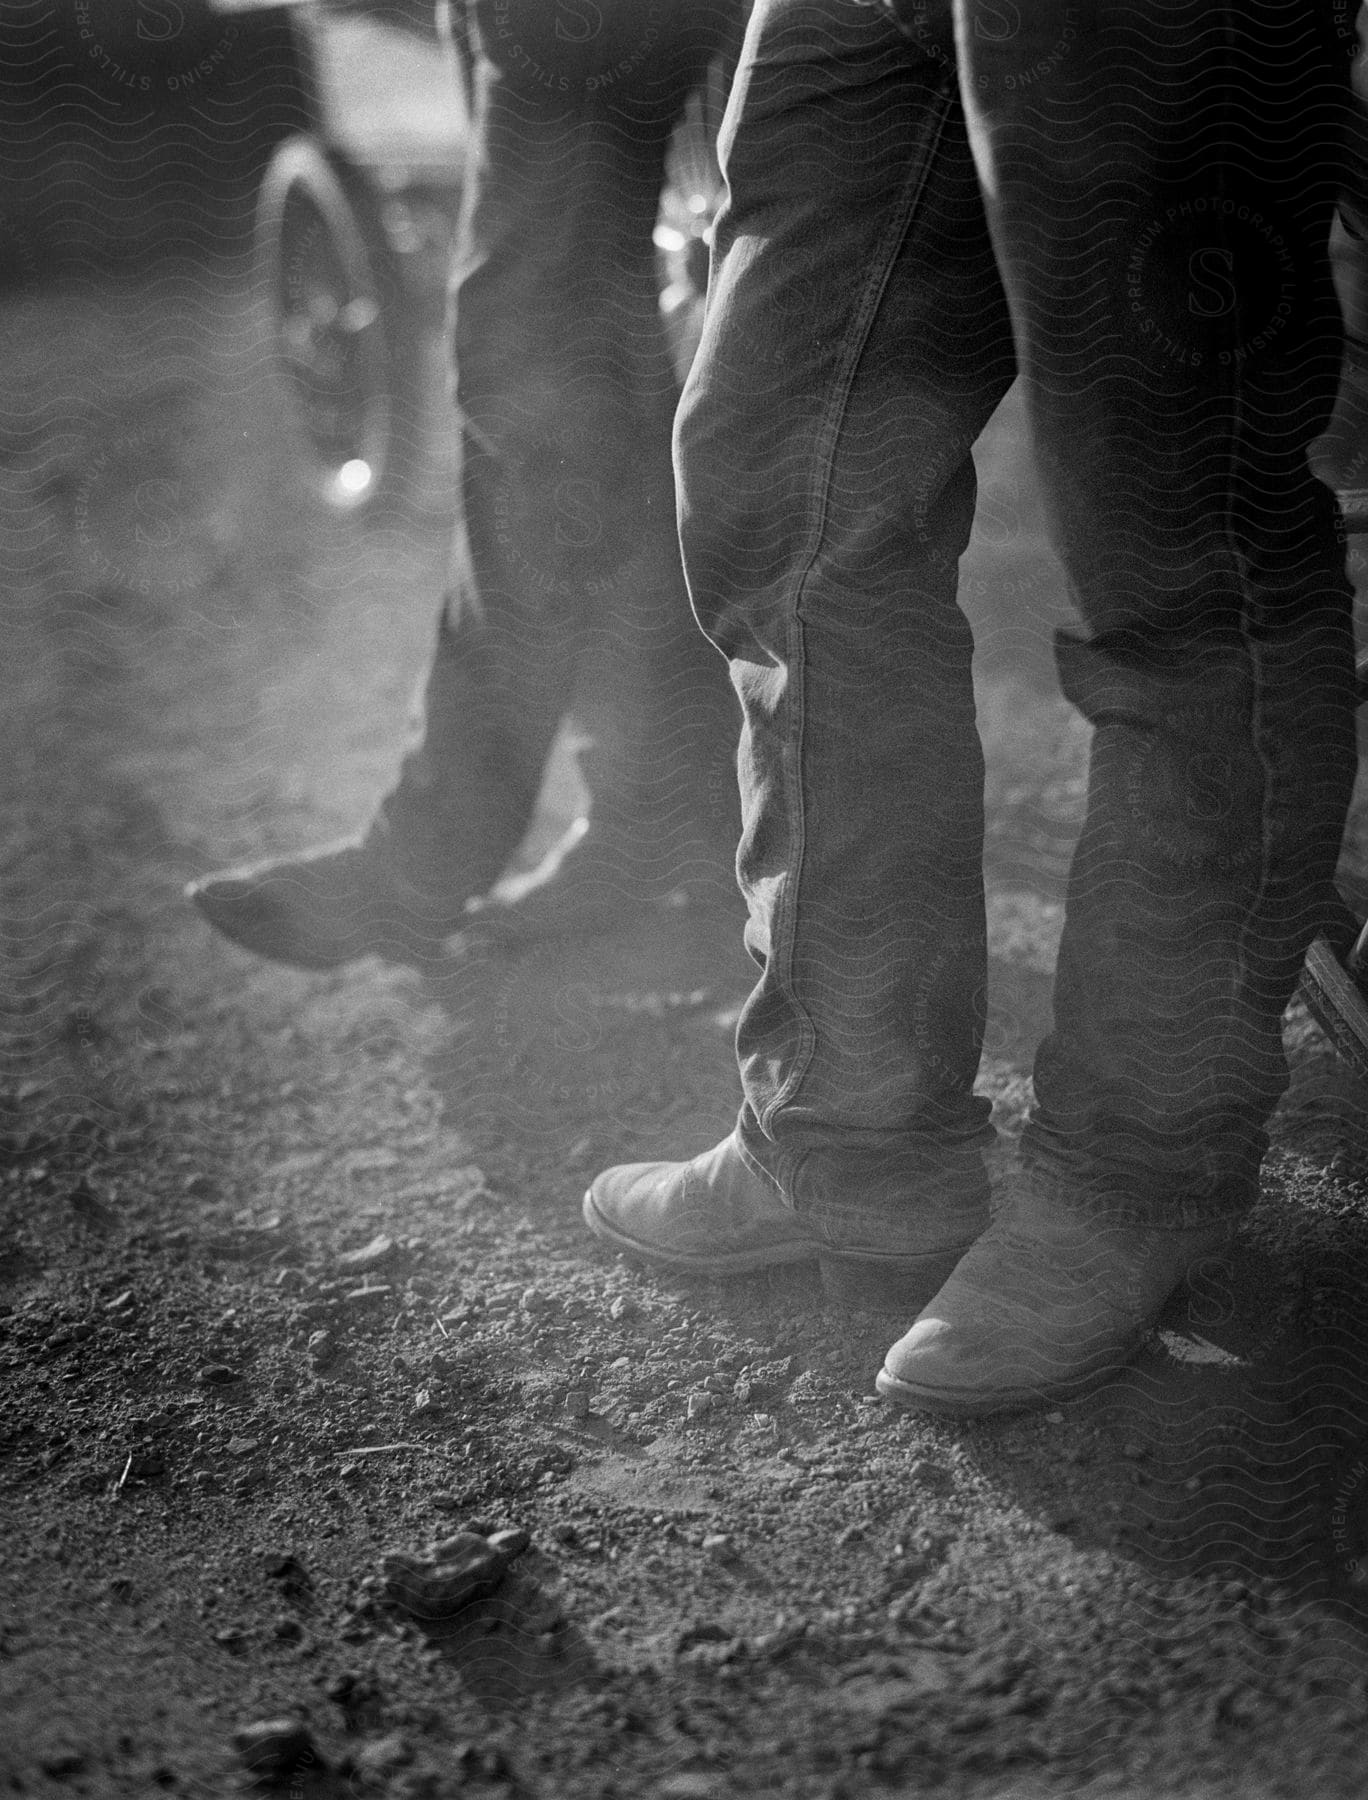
x,y
853,1186
1143,1198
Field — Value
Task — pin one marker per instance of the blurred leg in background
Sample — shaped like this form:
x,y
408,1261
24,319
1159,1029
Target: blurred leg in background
x,y
566,593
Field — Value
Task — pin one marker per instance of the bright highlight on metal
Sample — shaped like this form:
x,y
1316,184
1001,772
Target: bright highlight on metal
x,y
354,477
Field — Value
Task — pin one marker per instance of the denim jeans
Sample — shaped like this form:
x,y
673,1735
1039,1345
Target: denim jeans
x,y
1130,203
566,592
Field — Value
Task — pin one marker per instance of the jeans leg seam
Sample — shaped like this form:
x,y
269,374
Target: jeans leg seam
x,y
894,238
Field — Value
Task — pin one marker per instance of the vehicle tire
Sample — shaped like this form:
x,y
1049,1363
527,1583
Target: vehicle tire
x,y
345,327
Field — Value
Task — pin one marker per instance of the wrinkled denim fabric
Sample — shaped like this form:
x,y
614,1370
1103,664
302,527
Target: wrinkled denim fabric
x,y
1130,204
565,588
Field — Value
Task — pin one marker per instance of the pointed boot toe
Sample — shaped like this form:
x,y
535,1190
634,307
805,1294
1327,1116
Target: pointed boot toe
x,y
321,910
1045,1306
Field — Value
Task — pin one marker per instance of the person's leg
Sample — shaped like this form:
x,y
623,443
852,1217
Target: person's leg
x,y
566,586
1160,185
567,569
856,342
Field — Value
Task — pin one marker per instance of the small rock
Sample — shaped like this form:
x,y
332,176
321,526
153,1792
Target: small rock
x,y
931,1475
373,1255
121,1302
370,1295
715,1656
275,1750
424,1405
376,1761
216,1375
623,1308
476,1764
700,1402
853,1534
772,1645
577,1403
242,1446
355,1693
689,1787
83,1196
1239,1705
61,1763
289,1572
701,1631
206,1482
876,1696
369,1158
717,1543
565,1533
511,1541
322,1348
1054,1418
769,1377
455,1572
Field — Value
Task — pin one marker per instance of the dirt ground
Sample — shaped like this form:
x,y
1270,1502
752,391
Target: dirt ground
x,y
293,1284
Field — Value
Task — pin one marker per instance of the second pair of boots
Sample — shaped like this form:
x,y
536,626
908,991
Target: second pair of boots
x,y
661,829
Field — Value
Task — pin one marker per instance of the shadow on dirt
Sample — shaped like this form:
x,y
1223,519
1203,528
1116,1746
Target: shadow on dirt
x,y
1236,1443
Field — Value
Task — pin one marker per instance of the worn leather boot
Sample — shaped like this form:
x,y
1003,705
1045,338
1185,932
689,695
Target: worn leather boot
x,y
325,908
1046,1304
662,826
715,1216
330,906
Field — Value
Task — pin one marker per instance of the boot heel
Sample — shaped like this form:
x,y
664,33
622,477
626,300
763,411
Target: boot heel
x,y
886,1284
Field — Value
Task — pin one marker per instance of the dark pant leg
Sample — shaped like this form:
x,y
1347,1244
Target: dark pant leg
x,y
856,342
1160,181
565,571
